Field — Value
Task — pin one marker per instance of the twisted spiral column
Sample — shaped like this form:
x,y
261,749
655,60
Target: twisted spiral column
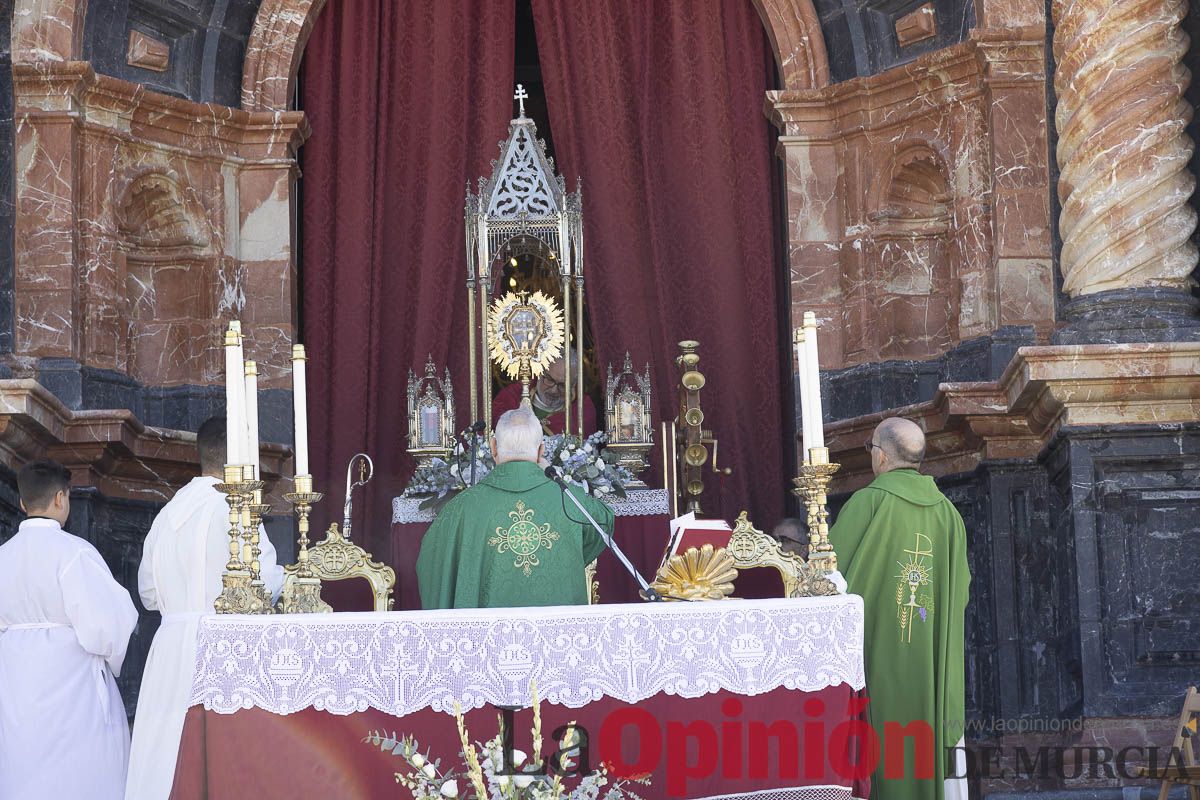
x,y
1123,149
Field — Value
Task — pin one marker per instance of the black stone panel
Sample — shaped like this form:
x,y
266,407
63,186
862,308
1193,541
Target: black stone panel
x,y
871,388
207,40
1132,496
176,407
860,35
7,175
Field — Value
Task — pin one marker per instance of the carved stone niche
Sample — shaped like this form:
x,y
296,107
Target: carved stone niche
x,y
914,282
171,279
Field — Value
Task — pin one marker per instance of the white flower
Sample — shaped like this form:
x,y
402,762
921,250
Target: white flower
x,y
418,760
600,463
518,757
450,788
502,780
429,771
522,781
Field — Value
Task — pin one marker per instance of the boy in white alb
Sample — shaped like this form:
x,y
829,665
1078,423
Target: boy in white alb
x,y
64,626
180,576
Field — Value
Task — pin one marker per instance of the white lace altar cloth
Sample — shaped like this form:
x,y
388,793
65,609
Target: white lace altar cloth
x,y
403,662
636,503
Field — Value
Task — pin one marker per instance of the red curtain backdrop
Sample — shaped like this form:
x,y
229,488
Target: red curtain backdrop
x,y
407,102
658,106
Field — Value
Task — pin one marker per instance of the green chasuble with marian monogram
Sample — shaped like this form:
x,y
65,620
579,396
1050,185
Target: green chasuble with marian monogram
x,y
513,539
902,546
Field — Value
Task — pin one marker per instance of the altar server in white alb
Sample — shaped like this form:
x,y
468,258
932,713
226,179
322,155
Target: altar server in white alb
x,y
180,576
64,626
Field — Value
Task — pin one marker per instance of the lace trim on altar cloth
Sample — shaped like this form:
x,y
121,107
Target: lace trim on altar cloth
x,y
636,503
403,662
822,792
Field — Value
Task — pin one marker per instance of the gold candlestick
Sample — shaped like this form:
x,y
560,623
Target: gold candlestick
x,y
238,595
303,595
258,509
812,486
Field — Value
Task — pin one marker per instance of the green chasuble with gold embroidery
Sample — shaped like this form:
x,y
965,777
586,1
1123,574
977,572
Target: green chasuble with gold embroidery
x,y
513,539
902,546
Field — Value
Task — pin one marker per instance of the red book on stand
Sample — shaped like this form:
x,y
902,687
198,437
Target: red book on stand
x,y
688,532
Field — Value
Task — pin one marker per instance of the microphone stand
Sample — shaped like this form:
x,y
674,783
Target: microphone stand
x,y
648,592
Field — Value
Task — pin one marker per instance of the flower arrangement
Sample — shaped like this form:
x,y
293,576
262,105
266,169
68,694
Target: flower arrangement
x,y
585,463
588,464
444,478
495,777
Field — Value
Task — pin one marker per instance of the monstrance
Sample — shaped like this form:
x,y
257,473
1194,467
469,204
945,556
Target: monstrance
x,y
525,336
523,209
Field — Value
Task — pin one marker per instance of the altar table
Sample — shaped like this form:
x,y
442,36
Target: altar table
x,y
641,530
281,704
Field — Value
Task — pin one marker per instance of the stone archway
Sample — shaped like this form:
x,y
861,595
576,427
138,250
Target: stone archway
x,y
273,53
282,28
795,33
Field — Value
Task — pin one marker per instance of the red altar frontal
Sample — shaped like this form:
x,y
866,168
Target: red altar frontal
x,y
723,699
641,530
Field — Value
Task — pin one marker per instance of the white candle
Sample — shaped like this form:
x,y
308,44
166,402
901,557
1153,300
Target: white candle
x,y
252,415
813,381
300,409
805,409
234,386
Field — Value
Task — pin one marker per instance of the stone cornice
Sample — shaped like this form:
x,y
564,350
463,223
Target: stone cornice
x,y
958,73
130,110
1042,390
108,449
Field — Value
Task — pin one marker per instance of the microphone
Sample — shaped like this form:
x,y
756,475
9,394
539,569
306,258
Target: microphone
x,y
647,591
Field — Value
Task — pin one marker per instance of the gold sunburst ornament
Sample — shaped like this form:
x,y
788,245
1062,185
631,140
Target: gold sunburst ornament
x,y
525,335
704,574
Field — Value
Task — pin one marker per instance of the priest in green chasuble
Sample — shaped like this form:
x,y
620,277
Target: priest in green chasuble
x,y
513,539
902,546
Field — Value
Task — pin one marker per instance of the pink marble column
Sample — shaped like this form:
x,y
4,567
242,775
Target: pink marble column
x,y
1123,149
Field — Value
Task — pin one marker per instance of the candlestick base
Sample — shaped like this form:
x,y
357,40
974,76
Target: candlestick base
x,y
304,597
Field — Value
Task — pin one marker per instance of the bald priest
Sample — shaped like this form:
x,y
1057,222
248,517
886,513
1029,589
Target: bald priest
x,y
513,539
549,398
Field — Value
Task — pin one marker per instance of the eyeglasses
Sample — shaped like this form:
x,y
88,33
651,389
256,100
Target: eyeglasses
x,y
870,446
549,383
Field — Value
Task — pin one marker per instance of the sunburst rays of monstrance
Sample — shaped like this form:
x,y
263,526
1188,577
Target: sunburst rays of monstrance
x,y
525,336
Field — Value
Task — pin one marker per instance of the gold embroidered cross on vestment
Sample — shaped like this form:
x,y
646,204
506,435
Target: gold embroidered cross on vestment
x,y
523,538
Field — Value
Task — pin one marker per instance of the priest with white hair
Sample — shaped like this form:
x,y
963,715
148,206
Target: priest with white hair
x,y
513,539
183,559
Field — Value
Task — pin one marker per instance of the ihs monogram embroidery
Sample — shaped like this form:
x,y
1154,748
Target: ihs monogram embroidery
x,y
524,538
914,578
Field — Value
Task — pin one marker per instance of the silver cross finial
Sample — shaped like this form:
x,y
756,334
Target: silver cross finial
x,y
520,96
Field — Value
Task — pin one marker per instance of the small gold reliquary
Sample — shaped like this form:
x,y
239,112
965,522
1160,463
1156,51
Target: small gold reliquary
x,y
430,415
630,431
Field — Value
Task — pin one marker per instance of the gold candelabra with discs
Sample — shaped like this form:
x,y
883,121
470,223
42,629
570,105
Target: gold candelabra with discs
x,y
812,486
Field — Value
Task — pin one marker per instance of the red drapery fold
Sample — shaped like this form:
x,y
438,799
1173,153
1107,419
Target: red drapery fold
x,y
657,105
406,102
